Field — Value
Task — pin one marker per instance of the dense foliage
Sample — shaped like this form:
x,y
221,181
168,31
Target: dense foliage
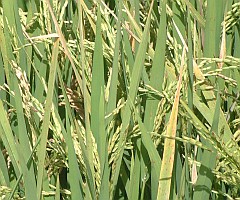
x,y
119,99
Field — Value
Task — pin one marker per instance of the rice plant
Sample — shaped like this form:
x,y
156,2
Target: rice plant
x,y
119,99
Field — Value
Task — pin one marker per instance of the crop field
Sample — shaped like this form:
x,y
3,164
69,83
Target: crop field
x,y
120,99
